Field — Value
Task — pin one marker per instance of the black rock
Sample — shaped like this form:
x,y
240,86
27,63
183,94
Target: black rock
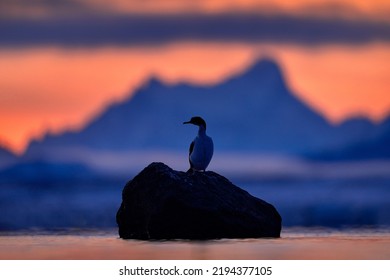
x,y
161,203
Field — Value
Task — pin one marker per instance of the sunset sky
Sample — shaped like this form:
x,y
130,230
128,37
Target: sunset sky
x,y
62,62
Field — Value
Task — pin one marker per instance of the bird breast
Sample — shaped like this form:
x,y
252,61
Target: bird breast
x,y
202,153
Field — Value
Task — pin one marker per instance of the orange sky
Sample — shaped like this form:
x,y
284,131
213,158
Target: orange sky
x,y
53,89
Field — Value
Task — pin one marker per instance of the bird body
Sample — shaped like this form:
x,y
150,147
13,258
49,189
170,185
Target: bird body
x,y
202,148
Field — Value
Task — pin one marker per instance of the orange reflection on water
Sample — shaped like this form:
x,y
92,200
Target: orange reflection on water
x,y
320,245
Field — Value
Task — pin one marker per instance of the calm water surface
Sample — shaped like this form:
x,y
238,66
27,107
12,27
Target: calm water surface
x,y
295,243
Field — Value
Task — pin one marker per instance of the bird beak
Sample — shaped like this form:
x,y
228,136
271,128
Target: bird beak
x,y
186,122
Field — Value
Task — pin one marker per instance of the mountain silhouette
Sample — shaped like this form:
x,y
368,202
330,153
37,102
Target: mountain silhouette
x,y
252,111
6,157
374,145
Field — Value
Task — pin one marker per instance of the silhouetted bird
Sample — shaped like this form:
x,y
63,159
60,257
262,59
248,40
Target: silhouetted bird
x,y
202,148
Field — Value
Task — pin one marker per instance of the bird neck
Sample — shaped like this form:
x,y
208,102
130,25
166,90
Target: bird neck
x,y
202,130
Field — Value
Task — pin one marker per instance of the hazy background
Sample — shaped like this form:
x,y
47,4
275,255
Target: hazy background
x,y
305,125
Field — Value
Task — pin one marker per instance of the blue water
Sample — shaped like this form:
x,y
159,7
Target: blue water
x,y
334,203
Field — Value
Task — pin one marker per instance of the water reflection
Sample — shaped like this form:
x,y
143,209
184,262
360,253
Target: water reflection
x,y
299,243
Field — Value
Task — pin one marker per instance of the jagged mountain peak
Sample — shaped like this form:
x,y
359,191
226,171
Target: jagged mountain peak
x,y
252,111
264,66
154,82
263,77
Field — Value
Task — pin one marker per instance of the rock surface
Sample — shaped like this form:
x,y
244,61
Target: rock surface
x,y
161,203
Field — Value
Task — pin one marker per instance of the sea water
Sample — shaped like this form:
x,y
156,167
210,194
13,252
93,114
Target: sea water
x,y
328,217
295,243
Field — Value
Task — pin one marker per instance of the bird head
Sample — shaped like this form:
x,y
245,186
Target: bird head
x,y
197,121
